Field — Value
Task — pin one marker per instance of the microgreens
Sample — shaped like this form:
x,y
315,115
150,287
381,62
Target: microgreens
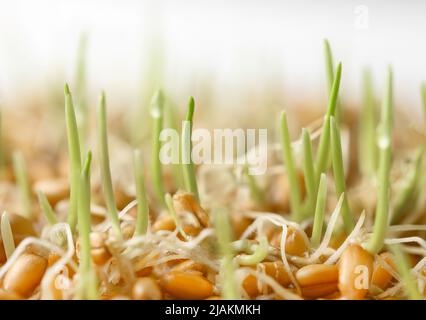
x,y
255,192
407,198
407,279
187,164
339,175
105,168
323,152
384,141
7,235
74,156
88,281
295,197
308,171
21,177
319,211
46,208
157,109
142,215
367,129
223,230
329,70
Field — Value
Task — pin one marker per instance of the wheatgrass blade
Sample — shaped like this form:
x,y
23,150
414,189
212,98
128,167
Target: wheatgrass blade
x,y
105,167
142,213
87,286
74,157
295,192
384,143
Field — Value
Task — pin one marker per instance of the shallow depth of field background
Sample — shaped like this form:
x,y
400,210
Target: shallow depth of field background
x,y
232,53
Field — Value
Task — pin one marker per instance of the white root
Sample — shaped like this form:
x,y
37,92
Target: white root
x,y
58,266
355,232
279,290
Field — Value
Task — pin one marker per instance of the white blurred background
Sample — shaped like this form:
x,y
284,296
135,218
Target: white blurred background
x,y
235,48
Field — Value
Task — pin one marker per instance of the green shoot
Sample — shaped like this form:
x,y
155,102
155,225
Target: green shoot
x,y
88,281
169,203
407,198
21,177
74,156
157,109
80,92
324,144
142,215
255,192
187,164
105,168
329,70
295,197
223,230
339,175
258,255
46,208
329,67
367,129
319,211
384,142
7,235
171,119
423,92
407,278
309,171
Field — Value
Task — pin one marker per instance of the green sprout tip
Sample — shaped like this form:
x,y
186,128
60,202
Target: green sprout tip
x,y
329,65
74,156
323,153
105,167
329,70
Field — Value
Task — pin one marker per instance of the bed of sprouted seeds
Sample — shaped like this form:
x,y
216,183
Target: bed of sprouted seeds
x,y
303,232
